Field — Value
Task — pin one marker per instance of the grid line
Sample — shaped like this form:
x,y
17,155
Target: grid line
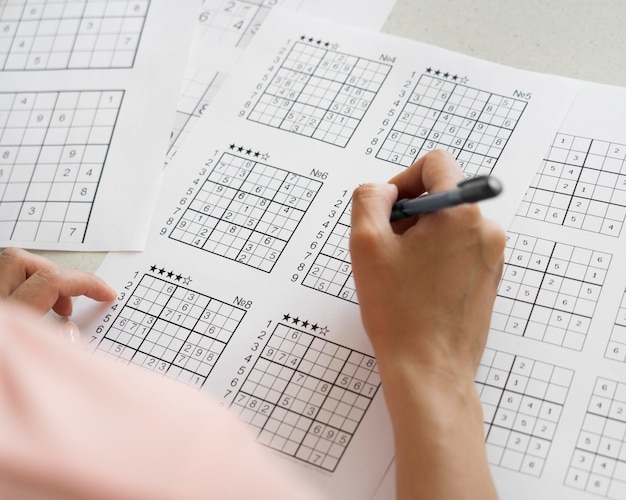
x,y
472,124
172,330
306,396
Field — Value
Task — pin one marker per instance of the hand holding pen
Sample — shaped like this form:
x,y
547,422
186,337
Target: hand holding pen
x,y
467,191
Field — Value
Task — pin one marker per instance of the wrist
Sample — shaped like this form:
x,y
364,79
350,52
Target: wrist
x,y
432,392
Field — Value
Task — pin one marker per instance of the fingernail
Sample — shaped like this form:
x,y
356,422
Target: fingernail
x,y
70,332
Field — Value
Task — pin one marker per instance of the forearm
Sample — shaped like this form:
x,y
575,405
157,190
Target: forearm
x,y
438,429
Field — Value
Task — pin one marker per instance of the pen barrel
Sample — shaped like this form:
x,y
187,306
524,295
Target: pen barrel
x,y
426,204
479,188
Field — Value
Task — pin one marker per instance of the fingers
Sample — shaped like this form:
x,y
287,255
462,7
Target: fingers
x,y
52,288
35,281
371,206
17,265
434,172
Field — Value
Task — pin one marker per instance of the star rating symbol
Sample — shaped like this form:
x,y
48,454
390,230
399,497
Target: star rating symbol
x,y
306,324
170,274
265,157
248,151
187,280
464,80
446,74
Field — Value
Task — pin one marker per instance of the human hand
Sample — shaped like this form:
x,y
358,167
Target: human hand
x,y
42,285
426,285
426,288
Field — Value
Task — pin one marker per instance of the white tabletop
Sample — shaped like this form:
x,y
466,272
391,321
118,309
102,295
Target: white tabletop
x,y
573,38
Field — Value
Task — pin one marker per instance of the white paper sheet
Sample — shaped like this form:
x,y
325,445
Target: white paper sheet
x,y
224,28
88,98
561,303
246,273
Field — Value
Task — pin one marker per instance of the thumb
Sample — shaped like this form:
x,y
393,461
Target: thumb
x,y
371,208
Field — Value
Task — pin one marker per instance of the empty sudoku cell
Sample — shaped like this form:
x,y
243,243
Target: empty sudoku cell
x,y
319,93
258,206
473,125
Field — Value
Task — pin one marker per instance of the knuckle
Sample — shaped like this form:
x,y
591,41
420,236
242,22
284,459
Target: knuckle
x,y
49,276
13,253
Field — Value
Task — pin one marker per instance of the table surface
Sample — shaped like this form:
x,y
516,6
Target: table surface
x,y
573,38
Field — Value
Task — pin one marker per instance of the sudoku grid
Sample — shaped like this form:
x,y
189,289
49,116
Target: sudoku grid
x,y
231,22
581,184
53,147
598,464
306,396
194,98
246,210
331,271
70,34
522,403
473,125
616,347
166,327
320,93
548,291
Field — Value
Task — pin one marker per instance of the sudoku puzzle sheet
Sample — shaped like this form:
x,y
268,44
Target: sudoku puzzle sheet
x,y
246,210
331,272
232,22
549,290
195,96
53,146
598,464
522,403
320,93
305,395
581,184
167,327
444,112
70,34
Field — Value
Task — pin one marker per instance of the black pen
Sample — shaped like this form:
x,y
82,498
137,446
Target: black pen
x,y
467,191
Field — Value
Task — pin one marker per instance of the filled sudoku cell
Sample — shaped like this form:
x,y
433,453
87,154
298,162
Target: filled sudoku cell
x,y
232,22
76,34
246,211
581,184
53,148
196,94
549,290
172,330
306,396
472,124
598,464
522,404
616,347
320,93
331,272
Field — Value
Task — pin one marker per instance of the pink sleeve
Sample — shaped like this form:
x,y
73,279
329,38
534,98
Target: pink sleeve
x,y
76,426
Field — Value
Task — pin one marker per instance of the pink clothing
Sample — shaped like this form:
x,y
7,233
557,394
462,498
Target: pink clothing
x,y
76,426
